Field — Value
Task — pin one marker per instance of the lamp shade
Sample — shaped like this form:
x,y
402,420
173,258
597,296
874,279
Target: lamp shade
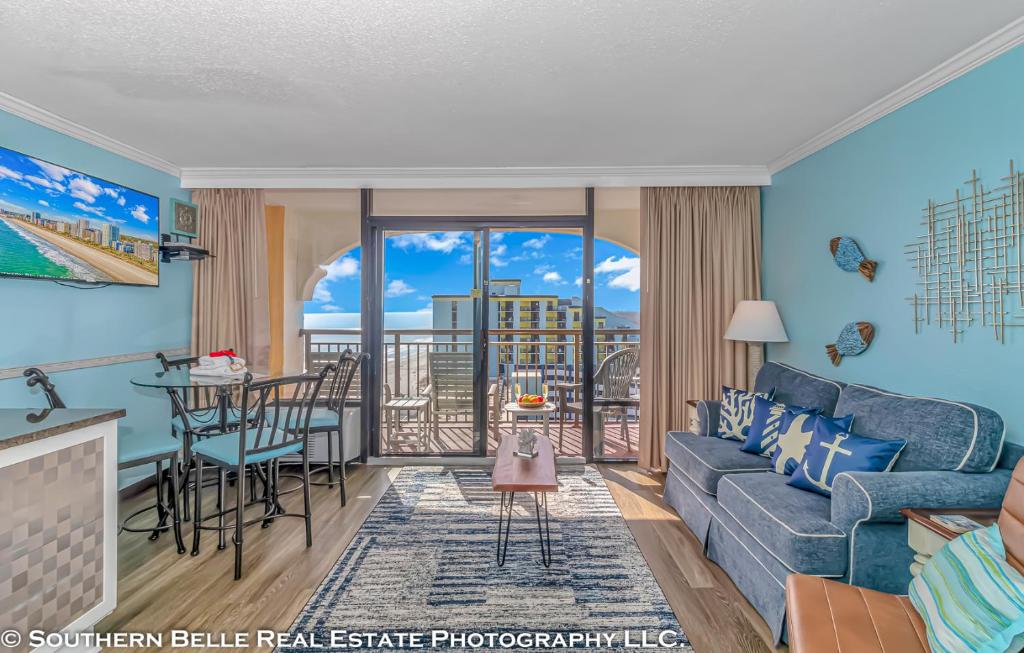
x,y
756,321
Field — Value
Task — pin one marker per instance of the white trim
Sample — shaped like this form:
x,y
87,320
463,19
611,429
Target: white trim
x,y
977,427
83,363
476,177
963,62
808,374
999,454
41,116
774,518
853,531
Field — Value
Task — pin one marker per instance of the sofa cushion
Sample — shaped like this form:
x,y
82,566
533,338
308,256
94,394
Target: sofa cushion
x,y
831,453
705,460
941,435
798,388
791,524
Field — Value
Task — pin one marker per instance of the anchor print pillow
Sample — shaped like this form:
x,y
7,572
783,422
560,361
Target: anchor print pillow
x,y
831,453
795,434
737,412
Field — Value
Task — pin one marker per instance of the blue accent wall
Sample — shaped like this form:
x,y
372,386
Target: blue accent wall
x,y
44,322
872,186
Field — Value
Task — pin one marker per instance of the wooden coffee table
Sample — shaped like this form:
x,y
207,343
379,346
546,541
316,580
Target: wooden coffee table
x,y
514,474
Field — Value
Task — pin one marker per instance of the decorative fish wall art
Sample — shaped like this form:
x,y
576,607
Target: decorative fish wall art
x,y
853,339
848,257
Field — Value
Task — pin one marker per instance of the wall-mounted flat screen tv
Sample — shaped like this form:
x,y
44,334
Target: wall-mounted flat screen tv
x,y
58,223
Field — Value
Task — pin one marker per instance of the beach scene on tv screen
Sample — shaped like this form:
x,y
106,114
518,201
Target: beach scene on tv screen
x,y
57,223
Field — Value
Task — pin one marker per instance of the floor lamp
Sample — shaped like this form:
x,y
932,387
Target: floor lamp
x,y
755,323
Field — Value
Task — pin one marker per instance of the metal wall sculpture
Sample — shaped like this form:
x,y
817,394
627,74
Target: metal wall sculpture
x,y
970,261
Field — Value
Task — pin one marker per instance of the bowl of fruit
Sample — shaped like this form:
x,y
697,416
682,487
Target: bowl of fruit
x,y
526,400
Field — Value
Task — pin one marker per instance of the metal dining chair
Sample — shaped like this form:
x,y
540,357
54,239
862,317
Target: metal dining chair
x,y
134,450
277,403
330,418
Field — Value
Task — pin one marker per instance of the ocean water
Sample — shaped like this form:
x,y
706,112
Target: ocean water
x,y
23,253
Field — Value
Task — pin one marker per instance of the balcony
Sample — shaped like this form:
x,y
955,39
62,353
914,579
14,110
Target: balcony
x,y
523,357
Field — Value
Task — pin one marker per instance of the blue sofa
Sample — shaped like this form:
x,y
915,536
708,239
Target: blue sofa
x,y
760,530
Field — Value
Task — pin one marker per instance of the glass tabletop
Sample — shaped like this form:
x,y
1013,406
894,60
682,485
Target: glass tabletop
x,y
186,379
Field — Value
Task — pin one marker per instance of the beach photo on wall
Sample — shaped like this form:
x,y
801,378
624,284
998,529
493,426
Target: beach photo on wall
x,y
57,223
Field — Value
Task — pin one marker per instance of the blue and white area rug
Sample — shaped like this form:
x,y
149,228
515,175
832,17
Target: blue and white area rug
x,y
421,574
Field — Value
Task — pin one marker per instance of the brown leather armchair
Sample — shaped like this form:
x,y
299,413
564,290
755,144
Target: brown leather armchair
x,y
825,616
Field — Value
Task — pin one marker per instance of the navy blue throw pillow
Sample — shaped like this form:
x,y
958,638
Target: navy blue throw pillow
x,y
831,453
763,435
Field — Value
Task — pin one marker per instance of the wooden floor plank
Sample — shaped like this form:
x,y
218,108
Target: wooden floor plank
x,y
159,590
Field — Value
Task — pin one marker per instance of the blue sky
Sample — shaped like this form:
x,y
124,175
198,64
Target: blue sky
x,y
420,265
28,185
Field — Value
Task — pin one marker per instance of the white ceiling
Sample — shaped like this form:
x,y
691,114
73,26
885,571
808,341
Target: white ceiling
x,y
474,83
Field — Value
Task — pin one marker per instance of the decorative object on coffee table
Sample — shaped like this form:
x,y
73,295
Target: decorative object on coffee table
x,y
926,537
853,340
849,258
527,442
513,474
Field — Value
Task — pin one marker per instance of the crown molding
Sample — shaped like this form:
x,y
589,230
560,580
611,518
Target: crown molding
x,y
981,52
496,177
70,128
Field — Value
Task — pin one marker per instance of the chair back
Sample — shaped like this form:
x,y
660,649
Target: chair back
x,y
616,373
283,407
451,379
37,377
341,379
1011,519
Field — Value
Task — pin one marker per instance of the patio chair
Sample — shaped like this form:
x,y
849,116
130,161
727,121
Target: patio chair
x,y
451,390
611,384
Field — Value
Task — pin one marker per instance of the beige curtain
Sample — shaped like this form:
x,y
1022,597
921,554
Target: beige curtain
x,y
700,254
230,305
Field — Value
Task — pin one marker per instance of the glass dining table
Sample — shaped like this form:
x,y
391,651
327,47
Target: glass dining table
x,y
181,382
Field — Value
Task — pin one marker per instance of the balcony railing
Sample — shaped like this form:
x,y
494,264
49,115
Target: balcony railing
x,y
525,357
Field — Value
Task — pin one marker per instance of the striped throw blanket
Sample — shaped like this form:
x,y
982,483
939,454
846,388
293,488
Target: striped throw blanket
x,y
970,598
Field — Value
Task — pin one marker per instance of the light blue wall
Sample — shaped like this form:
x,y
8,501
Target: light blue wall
x,y
872,186
44,322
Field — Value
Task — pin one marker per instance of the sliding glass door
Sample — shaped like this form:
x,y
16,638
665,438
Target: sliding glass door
x,y
463,314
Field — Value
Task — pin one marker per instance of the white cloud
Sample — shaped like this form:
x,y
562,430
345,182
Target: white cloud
x,y
56,173
466,259
497,256
541,269
342,268
435,242
7,173
397,288
46,183
553,277
624,272
429,308
95,210
84,189
334,308
497,236
139,213
321,293
579,281
111,192
120,201
537,243
44,203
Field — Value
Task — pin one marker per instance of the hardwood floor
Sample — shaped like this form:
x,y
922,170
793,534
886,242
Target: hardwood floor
x,y
159,590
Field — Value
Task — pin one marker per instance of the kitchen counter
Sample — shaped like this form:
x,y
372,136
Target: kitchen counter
x,y
20,426
58,518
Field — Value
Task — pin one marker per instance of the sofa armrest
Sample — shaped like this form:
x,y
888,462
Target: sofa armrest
x,y
878,496
707,412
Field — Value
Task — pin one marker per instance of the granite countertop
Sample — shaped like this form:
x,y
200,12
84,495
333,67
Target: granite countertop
x,y
23,425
